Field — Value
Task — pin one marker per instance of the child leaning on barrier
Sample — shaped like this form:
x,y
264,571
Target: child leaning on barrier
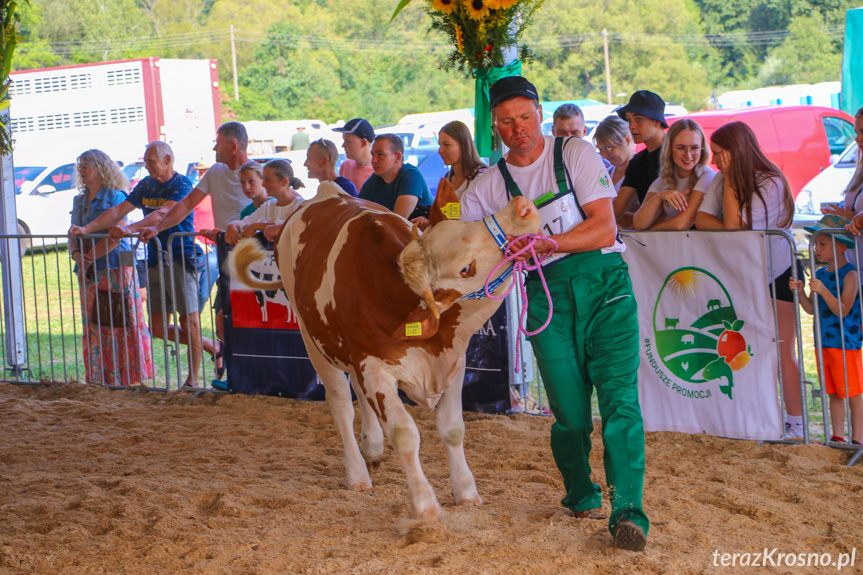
x,y
836,335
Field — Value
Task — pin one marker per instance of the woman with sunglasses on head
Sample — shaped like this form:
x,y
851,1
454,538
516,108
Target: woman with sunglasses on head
x,y
614,143
752,193
672,201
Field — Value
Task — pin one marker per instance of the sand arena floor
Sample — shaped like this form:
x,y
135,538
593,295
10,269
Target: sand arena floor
x,y
99,481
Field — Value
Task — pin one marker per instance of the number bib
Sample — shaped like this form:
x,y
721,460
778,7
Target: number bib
x,y
558,211
557,215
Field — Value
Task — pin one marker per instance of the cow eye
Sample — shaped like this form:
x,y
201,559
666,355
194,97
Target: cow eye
x,y
469,271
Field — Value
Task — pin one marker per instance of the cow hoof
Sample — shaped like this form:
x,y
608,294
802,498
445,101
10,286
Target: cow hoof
x,y
360,486
474,500
433,513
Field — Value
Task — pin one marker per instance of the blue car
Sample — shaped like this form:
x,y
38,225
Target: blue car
x,y
430,165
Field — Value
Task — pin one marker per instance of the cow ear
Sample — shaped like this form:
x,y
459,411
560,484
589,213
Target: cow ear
x,y
420,324
446,205
423,322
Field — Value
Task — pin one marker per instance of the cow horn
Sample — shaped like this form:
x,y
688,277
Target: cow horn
x,y
428,296
415,233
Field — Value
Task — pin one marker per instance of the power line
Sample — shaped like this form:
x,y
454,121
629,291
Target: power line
x,y
338,44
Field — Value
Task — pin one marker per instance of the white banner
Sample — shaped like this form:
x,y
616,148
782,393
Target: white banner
x,y
707,333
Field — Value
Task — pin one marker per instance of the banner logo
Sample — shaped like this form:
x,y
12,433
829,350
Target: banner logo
x,y
696,333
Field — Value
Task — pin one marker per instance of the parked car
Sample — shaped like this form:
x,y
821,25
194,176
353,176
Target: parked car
x,y
413,135
826,187
43,200
430,165
801,140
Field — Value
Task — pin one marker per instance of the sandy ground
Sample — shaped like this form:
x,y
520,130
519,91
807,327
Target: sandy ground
x,y
99,481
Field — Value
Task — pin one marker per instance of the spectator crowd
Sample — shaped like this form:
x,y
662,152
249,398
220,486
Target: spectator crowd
x,y
677,180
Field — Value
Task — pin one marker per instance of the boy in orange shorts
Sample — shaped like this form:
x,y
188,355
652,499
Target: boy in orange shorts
x,y
832,306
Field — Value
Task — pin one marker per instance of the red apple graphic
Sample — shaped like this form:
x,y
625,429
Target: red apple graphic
x,y
730,344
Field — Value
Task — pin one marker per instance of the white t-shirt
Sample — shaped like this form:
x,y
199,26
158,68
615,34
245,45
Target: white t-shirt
x,y
701,185
222,184
487,194
270,211
765,216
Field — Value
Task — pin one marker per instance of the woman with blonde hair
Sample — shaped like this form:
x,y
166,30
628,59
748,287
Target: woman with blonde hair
x,y
673,199
116,339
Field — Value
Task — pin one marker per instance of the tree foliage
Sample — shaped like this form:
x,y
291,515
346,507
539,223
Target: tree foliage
x,y
331,59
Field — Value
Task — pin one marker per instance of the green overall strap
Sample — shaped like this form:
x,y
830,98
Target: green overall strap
x,y
511,186
560,174
559,169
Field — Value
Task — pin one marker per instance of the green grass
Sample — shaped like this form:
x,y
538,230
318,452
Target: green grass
x,y
53,326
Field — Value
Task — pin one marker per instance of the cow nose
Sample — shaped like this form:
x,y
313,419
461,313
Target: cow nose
x,y
523,208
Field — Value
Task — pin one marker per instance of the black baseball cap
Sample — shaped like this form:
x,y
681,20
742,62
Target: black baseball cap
x,y
645,103
358,127
510,86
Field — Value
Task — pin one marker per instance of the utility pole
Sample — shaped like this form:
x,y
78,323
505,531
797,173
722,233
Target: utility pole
x,y
607,66
234,63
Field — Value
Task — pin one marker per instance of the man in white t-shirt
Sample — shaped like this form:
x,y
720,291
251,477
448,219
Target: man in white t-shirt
x,y
592,340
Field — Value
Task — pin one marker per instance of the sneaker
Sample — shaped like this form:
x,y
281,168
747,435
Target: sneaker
x,y
793,430
837,439
591,514
629,536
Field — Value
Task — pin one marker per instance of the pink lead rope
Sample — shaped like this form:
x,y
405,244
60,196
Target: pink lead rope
x,y
518,267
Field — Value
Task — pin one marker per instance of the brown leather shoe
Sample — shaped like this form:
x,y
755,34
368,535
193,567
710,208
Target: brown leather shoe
x,y
629,536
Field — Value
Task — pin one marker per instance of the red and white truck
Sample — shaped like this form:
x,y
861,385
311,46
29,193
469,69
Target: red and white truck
x,y
117,107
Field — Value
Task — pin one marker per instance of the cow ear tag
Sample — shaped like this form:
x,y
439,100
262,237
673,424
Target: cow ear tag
x,y
413,329
452,210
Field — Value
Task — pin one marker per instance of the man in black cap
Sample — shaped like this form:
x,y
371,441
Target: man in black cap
x,y
592,338
357,138
645,114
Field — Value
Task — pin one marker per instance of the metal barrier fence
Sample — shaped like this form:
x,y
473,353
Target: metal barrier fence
x,y
59,325
47,327
843,410
810,380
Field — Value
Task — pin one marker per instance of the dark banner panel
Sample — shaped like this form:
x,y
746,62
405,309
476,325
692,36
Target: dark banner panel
x,y
265,353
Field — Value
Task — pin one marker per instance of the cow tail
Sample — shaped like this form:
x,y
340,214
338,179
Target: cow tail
x,y
247,252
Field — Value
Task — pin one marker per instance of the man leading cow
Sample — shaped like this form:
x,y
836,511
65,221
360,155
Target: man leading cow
x,y
592,340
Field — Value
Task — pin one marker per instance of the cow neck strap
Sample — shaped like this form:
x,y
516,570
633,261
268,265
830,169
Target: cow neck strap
x,y
496,231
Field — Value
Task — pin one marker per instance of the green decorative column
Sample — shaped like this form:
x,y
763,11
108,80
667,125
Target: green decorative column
x,y
483,136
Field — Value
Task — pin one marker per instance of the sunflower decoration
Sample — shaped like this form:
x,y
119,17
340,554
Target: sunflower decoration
x,y
443,6
476,9
480,31
459,39
500,4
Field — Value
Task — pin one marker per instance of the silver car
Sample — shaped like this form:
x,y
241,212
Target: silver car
x,y
825,188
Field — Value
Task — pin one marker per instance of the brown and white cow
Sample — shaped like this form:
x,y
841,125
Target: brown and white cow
x,y
378,302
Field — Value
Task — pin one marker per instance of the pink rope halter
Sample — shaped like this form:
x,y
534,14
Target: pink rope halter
x,y
518,267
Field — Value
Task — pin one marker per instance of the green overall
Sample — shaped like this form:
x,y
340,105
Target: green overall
x,y
592,341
